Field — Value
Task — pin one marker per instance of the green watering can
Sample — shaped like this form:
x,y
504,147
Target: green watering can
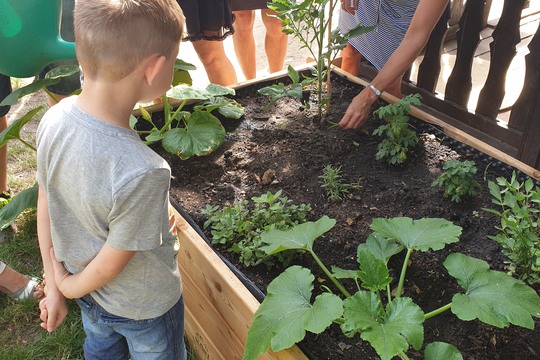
x,y
30,36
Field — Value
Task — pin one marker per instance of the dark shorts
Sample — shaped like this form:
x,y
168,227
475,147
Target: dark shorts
x,y
207,19
248,4
5,90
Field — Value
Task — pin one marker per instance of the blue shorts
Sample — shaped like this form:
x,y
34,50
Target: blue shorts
x,y
5,90
110,337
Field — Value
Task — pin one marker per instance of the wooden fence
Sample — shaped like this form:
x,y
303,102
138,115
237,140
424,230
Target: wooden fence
x,y
520,137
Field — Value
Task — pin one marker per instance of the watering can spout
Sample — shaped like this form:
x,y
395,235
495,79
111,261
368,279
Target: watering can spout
x,y
30,36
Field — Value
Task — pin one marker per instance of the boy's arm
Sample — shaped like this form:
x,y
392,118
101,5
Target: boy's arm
x,y
56,307
107,264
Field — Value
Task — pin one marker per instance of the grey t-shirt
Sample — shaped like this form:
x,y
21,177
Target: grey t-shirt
x,y
104,184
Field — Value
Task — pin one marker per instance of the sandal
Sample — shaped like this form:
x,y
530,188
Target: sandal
x,y
31,289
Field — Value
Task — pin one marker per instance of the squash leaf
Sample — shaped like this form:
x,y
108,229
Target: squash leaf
x,y
493,297
380,247
440,350
373,271
389,332
202,135
422,234
26,199
186,92
287,313
300,237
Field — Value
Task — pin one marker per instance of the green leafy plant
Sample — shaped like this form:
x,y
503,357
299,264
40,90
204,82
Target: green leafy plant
x,y
185,133
279,90
334,184
27,198
519,237
239,227
309,21
458,179
391,324
398,140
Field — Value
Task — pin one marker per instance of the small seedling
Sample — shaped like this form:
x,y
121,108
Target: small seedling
x,y
334,184
458,179
398,140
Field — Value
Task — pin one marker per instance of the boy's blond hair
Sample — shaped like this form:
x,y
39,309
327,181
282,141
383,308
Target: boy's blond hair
x,y
112,37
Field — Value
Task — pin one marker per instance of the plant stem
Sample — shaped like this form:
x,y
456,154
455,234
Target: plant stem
x,y
329,274
403,356
437,311
27,144
51,95
168,117
403,272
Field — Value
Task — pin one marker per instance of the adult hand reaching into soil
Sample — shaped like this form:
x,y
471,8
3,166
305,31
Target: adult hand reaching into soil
x,y
358,110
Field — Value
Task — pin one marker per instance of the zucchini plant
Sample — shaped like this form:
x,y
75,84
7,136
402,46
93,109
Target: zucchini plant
x,y
390,323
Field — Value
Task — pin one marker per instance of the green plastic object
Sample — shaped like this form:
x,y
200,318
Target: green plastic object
x,y
30,36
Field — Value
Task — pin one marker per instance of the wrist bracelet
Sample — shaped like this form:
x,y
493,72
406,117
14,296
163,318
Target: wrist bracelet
x,y
375,90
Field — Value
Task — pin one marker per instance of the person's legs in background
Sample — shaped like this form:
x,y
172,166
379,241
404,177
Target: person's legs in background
x,y
350,60
5,90
16,285
219,68
244,42
275,41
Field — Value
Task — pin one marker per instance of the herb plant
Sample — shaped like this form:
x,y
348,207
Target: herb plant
x,y
309,21
458,179
519,237
334,184
239,227
398,140
391,324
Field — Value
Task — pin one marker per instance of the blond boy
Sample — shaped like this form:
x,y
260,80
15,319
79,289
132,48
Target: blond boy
x,y
103,200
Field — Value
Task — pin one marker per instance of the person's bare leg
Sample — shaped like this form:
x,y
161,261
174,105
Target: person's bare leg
x,y
11,280
350,60
244,42
218,67
275,41
3,158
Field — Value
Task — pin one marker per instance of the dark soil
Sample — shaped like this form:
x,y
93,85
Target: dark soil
x,y
291,143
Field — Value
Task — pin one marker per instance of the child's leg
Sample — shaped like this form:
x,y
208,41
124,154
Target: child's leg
x,y
350,60
161,338
102,341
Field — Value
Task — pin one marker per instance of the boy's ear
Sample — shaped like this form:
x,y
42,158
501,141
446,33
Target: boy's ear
x,y
153,66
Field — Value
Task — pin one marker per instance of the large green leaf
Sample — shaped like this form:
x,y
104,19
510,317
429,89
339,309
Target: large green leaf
x,y
491,296
185,92
287,313
202,135
390,332
51,78
423,234
373,271
13,131
26,199
441,350
381,247
299,237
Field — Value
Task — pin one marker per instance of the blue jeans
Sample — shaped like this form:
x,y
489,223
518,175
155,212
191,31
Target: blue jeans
x,y
109,337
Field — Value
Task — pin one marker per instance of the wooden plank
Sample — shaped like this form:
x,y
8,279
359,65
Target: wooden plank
x,y
219,308
453,131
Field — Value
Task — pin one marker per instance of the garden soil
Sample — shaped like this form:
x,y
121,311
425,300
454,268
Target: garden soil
x,y
286,148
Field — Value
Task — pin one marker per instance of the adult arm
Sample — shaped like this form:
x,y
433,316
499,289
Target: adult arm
x,y
425,18
53,306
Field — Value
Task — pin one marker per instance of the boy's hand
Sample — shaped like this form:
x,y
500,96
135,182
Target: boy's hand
x,y
53,310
